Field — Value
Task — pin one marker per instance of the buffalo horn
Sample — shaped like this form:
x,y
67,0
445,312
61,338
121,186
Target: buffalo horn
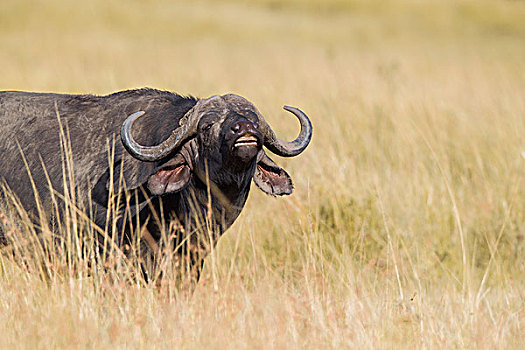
x,y
288,148
187,128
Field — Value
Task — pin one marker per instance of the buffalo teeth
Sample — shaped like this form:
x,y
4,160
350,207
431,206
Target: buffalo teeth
x,y
246,141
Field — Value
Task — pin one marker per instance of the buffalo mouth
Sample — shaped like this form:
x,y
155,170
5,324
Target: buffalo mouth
x,y
246,147
246,141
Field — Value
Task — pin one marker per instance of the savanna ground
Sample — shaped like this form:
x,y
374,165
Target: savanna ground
x,y
406,229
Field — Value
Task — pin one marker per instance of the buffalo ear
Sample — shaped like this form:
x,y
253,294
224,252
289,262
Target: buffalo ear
x,y
170,177
271,178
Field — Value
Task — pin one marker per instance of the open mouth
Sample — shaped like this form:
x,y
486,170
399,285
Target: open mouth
x,y
248,140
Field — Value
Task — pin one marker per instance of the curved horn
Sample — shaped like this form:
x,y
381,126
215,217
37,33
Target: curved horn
x,y
187,128
288,148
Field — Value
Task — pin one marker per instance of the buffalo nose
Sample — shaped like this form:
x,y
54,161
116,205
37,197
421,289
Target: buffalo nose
x,y
244,127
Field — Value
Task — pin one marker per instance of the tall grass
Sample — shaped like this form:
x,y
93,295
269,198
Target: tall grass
x,y
406,228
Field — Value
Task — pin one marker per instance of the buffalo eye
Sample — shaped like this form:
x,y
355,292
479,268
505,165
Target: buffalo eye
x,y
207,127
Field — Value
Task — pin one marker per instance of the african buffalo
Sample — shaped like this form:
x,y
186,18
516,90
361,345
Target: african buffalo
x,y
185,160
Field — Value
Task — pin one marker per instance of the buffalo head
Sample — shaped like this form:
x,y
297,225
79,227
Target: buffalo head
x,y
221,137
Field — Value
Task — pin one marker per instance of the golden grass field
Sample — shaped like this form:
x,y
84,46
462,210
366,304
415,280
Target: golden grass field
x,y
407,225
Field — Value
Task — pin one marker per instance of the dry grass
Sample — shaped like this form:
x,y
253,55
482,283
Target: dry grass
x,y
407,226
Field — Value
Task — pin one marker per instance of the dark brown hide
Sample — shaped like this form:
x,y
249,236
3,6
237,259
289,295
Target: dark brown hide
x,y
219,154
